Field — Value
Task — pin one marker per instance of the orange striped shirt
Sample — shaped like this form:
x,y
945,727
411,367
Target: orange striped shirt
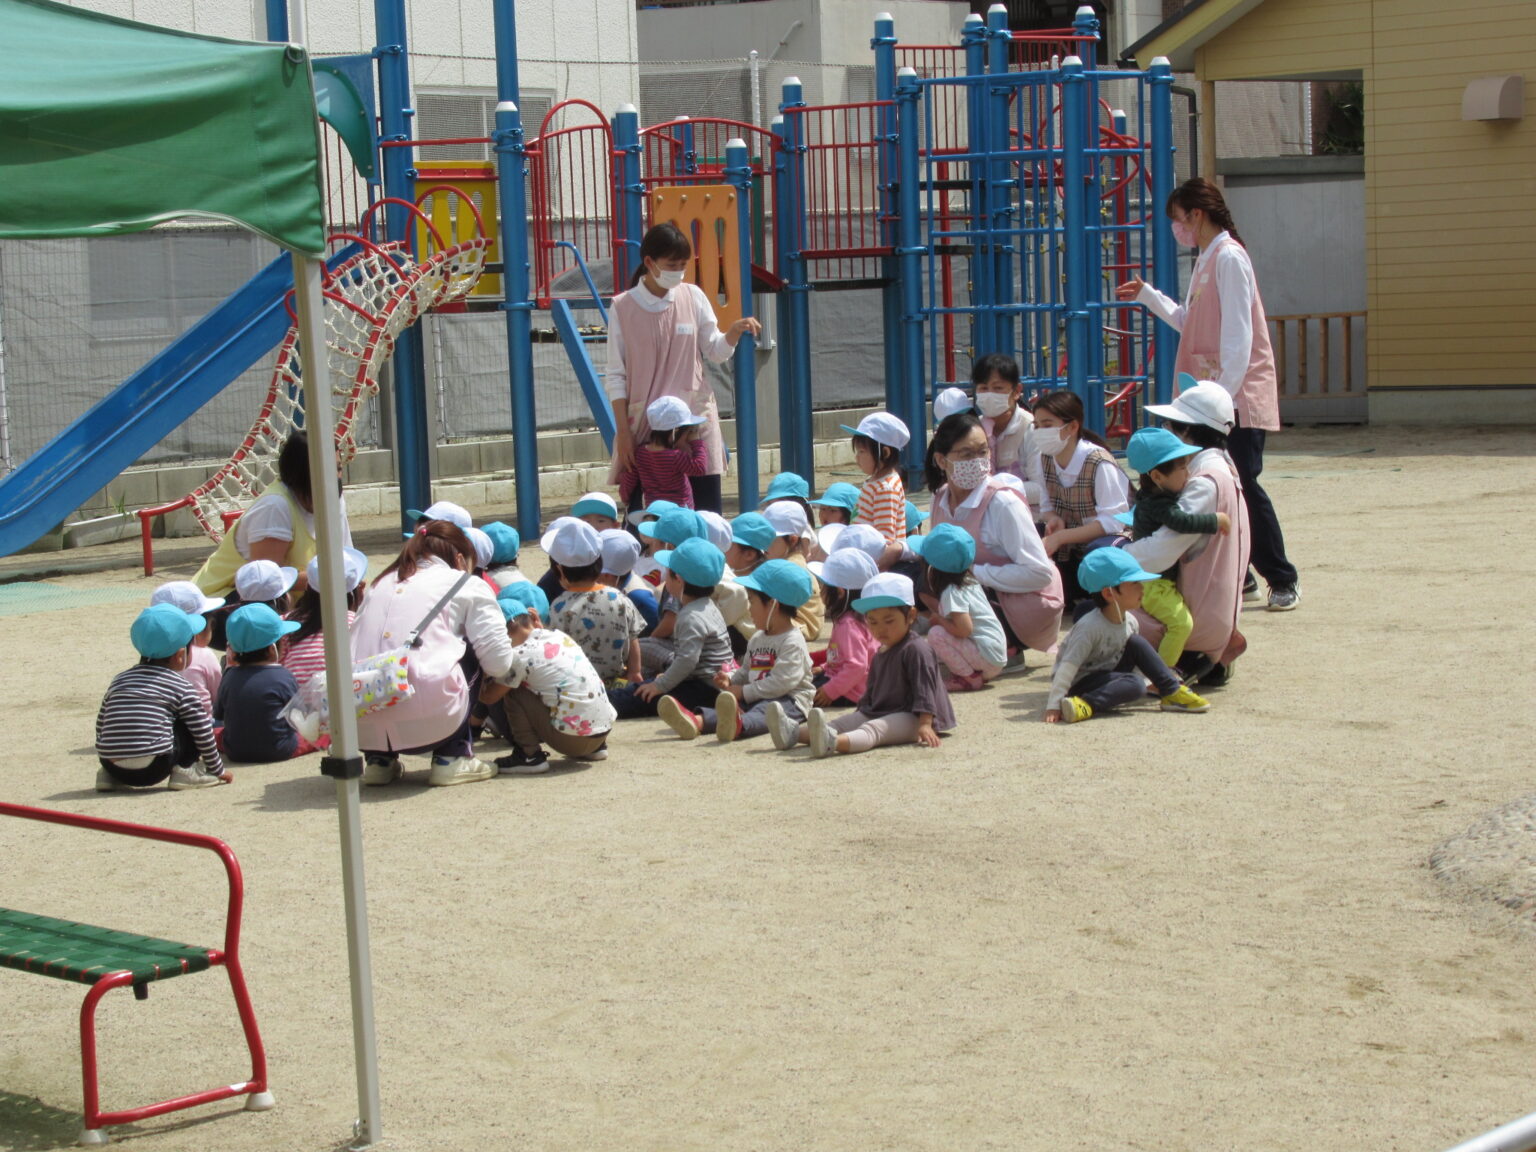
x,y
883,506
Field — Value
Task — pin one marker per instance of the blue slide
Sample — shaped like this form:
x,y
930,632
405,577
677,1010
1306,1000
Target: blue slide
x,y
147,407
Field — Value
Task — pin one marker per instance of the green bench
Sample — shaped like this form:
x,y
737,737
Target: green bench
x,y
104,959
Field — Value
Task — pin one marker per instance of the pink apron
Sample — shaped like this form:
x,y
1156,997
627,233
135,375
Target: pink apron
x,y
1200,346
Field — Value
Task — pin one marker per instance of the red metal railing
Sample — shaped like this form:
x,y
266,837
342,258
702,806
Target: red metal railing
x,y
571,190
844,234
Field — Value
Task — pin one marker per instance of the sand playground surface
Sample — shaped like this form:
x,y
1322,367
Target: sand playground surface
x,y
1150,931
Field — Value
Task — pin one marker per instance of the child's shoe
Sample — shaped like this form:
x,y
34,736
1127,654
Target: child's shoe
x,y
784,732
679,719
194,776
596,754
1075,708
727,718
459,770
1185,701
380,770
521,763
823,739
106,782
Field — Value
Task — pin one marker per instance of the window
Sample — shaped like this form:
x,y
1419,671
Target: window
x,y
457,115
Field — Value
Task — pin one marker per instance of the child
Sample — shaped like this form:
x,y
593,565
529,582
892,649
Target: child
x,y
152,726
485,554
792,529
675,525
303,653
777,670
601,619
837,505
700,646
1094,666
905,700
256,688
551,694
203,670
455,514
845,672
863,538
505,543
950,401
675,451
877,445
620,552
264,582
965,632
597,509
788,486
1162,460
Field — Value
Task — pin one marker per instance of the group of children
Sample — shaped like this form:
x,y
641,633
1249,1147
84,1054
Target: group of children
x,y
704,622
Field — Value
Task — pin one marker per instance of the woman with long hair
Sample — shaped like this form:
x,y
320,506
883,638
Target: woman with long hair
x,y
1224,337
1085,490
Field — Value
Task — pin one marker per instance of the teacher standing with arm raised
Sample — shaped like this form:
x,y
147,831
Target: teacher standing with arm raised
x,y
1223,336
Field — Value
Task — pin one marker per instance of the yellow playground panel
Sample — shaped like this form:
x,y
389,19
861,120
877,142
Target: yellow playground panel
x,y
706,213
437,186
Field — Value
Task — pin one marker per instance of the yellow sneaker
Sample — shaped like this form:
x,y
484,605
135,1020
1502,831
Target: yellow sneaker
x,y
1185,701
1075,708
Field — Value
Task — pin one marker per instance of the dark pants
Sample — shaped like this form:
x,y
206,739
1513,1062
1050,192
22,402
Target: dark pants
x,y
1267,544
1104,690
460,741
691,694
821,678
706,493
549,584
182,754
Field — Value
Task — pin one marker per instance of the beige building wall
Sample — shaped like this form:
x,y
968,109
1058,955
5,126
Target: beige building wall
x,y
1450,204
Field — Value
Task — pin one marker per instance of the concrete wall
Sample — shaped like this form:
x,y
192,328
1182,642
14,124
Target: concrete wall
x,y
829,32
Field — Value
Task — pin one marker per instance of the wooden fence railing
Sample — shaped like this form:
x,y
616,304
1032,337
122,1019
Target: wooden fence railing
x,y
1320,365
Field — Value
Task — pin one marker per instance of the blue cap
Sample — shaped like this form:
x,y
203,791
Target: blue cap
x,y
519,596
949,548
696,560
781,580
676,525
1151,448
1104,567
840,495
504,542
752,530
786,486
256,626
654,510
915,517
162,630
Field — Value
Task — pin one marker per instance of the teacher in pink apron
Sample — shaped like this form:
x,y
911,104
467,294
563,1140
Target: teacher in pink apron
x,y
1223,337
659,333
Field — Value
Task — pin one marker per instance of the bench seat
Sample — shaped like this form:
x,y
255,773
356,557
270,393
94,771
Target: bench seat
x,y
85,953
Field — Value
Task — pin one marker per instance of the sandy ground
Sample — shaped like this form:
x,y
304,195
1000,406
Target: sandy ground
x,y
1144,932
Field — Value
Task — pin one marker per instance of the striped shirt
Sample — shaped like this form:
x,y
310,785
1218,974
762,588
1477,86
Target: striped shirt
x,y
307,657
662,473
139,710
883,506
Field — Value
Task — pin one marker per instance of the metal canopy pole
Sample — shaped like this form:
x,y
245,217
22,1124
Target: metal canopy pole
x,y
345,762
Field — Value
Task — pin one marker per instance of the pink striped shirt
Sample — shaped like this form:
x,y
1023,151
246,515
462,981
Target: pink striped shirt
x,y
662,473
307,657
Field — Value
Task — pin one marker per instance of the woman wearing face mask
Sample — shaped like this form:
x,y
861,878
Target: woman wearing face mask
x,y
658,335
1008,424
1223,336
1085,490
1011,563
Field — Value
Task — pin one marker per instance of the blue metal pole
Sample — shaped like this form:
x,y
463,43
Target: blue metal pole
x,y
1074,118
689,159
511,184
909,252
884,46
1000,185
1165,268
1086,23
783,233
277,21
983,320
629,196
738,172
795,448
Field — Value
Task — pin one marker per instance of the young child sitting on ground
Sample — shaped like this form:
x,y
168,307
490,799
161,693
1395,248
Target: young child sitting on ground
x,y
778,664
620,552
256,689
674,452
303,653
596,509
845,672
700,646
964,631
203,670
905,701
1097,665
599,618
551,694
839,504
788,486
792,536
152,726
1162,460
265,582
505,543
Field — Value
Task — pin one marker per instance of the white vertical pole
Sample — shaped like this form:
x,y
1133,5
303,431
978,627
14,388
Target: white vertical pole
x,y
755,67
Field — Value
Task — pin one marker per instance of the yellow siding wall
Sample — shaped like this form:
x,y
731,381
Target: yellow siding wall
x,y
1450,204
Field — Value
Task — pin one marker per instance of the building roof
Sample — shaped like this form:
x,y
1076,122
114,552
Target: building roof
x,y
1180,35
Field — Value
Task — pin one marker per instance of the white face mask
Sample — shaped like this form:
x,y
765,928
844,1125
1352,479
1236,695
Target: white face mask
x,y
992,404
1049,441
668,280
969,474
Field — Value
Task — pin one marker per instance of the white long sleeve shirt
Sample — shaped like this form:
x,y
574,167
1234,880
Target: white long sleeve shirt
x,y
1111,490
1234,287
1007,530
1163,549
713,345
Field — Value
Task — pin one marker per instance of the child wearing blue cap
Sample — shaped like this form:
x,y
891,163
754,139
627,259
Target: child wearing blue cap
x,y
1097,664
505,542
839,504
256,689
152,725
964,631
777,668
699,644
1163,459
904,701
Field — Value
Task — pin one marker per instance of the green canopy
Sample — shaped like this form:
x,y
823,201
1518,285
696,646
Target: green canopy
x,y
111,126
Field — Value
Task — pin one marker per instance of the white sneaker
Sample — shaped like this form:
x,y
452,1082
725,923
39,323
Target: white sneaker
x,y
377,772
461,770
195,776
784,732
595,754
106,782
823,739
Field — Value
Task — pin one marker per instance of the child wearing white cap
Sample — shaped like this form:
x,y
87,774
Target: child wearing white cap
x,y
303,653
792,537
675,452
845,668
877,445
621,552
905,700
598,617
203,670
